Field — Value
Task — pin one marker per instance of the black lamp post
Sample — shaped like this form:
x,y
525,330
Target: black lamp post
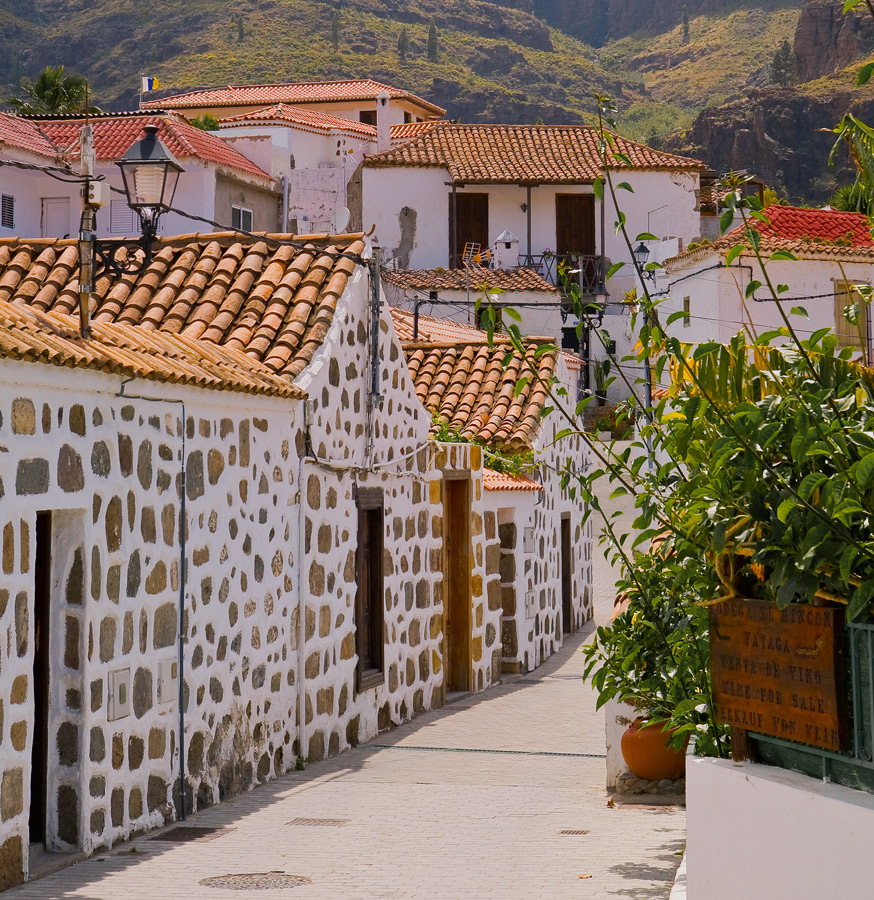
x,y
150,173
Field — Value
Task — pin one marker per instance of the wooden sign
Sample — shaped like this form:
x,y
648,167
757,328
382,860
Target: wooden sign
x,y
780,672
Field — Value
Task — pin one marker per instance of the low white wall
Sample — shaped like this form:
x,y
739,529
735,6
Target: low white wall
x,y
759,831
617,717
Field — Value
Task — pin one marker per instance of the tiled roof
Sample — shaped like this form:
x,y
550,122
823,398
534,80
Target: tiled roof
x,y
521,154
273,303
296,93
322,122
24,135
409,130
500,481
825,234
306,118
114,134
460,279
30,335
467,387
432,329
791,223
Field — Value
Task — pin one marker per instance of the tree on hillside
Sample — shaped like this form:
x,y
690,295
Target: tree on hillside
x,y
52,93
432,42
403,43
685,24
335,30
783,65
206,122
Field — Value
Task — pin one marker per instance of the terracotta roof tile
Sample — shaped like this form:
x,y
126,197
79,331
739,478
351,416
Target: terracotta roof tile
x,y
24,135
824,234
791,223
313,120
114,134
460,279
295,93
30,335
322,122
466,385
521,154
433,329
272,303
500,481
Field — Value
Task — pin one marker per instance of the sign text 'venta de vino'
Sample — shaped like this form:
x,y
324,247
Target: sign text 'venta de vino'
x,y
779,672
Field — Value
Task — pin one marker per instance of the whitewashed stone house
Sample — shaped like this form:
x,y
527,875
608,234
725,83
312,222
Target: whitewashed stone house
x,y
544,547
250,458
218,182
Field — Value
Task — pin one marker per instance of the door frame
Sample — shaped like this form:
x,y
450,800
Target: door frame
x,y
567,574
449,684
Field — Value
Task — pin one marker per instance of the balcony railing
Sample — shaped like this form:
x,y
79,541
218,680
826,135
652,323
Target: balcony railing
x,y
551,265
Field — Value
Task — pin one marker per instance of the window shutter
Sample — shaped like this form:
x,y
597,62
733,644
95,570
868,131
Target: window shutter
x,y
7,211
122,219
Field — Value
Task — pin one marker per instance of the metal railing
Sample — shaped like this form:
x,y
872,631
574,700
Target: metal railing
x,y
855,766
550,266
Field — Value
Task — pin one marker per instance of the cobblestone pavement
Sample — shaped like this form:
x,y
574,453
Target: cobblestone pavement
x,y
468,801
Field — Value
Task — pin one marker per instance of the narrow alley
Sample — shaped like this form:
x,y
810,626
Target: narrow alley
x,y
498,796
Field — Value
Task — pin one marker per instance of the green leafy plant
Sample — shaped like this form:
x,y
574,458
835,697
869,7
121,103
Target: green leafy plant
x,y
206,122
53,93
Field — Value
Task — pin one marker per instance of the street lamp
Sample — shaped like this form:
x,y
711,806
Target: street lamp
x,y
641,254
150,174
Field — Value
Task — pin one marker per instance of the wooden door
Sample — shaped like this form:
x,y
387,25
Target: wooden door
x,y
41,693
575,224
567,615
472,223
457,597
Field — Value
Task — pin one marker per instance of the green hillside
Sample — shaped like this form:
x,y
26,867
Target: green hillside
x,y
496,62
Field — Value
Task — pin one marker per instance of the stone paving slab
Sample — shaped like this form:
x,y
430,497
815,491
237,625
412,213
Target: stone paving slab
x,y
433,813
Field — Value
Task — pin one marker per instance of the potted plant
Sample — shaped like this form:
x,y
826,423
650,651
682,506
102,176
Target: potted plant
x,y
602,372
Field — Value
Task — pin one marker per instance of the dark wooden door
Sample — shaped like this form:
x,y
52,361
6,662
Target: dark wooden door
x,y
457,615
41,693
472,223
567,617
575,224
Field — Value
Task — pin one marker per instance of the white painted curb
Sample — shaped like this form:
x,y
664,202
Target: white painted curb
x,y
678,891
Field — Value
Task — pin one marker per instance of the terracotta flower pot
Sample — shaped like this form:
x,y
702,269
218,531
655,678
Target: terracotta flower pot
x,y
647,754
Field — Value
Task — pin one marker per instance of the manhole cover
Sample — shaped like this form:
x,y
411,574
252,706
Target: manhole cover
x,y
257,881
566,677
319,823
574,831
183,834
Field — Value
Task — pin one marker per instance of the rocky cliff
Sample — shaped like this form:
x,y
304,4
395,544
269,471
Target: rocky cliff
x,y
827,40
781,136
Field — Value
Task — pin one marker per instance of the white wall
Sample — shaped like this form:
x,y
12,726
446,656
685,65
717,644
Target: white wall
x,y
385,192
758,831
718,309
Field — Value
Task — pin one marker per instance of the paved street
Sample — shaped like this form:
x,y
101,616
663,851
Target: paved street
x,y
468,801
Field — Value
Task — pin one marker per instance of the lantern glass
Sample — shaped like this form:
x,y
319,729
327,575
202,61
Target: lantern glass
x,y
641,254
150,174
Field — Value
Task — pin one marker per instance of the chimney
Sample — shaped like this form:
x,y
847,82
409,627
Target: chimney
x,y
383,126
507,251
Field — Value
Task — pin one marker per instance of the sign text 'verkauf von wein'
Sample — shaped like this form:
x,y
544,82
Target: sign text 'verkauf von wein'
x,y
780,672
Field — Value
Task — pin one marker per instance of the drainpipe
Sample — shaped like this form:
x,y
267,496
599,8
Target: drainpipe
x,y
528,217
183,523
302,585
453,218
285,188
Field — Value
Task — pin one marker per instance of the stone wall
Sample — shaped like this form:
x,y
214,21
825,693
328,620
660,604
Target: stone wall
x,y
351,446
109,470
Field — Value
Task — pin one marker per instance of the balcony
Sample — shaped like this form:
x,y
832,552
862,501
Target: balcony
x,y
550,266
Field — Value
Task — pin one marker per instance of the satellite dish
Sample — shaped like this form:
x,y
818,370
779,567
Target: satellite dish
x,y
341,219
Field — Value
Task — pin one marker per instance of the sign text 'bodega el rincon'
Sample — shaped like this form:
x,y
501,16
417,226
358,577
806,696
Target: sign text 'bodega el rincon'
x,y
779,672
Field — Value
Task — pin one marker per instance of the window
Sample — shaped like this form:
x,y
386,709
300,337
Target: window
x,y
241,218
369,598
367,117
7,211
408,117
122,219
687,306
850,334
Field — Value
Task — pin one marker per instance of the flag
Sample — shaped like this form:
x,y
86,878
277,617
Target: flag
x,y
150,84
